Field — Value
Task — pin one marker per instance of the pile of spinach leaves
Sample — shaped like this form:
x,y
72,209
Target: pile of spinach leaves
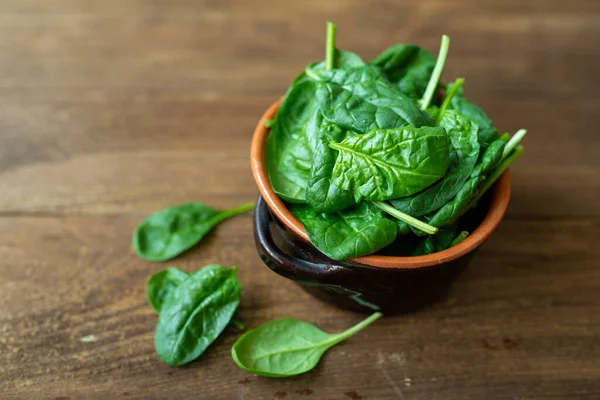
x,y
379,156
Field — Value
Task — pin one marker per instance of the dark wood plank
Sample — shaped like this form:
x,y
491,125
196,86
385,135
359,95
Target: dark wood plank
x,y
521,322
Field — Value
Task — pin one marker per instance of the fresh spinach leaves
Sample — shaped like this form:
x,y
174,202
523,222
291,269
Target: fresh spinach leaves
x,y
378,137
408,67
195,312
464,152
361,99
169,232
287,347
487,133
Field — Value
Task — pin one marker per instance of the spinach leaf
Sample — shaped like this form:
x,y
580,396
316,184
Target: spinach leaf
x,y
487,133
161,284
342,59
287,347
290,147
322,194
408,66
345,59
169,232
453,209
289,153
390,163
438,242
195,313
464,151
361,99
357,231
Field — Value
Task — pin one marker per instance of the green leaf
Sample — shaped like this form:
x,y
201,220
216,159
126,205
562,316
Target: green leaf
x,y
487,133
346,59
357,231
287,347
408,67
161,284
322,194
195,313
289,151
464,151
438,242
460,203
391,163
169,232
361,99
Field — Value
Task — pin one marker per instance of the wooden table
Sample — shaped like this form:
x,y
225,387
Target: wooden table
x,y
113,109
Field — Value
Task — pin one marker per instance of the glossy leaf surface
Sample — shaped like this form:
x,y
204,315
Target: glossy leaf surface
x,y
169,232
195,313
287,347
391,163
357,231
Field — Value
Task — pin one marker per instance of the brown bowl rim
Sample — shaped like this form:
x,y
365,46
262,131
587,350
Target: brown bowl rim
x,y
500,198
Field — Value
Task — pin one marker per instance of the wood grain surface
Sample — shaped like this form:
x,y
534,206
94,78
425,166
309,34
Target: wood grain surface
x,y
113,109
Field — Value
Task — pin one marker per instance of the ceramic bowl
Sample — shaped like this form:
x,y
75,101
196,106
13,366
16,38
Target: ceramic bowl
x,y
375,282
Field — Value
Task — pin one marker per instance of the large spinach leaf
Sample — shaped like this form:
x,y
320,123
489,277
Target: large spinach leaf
x,y
161,284
390,163
357,231
169,232
408,66
464,151
195,313
322,194
361,99
287,347
289,153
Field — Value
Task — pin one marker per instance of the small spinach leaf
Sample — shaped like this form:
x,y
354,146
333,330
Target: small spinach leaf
x,y
287,347
357,231
408,66
464,151
391,163
161,284
169,232
195,313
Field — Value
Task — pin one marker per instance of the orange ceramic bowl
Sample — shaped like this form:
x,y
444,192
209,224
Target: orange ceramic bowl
x,y
500,197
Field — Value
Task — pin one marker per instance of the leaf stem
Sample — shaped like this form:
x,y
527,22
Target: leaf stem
x,y
412,221
239,209
436,74
237,325
449,95
330,46
513,142
505,137
503,166
459,238
361,325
